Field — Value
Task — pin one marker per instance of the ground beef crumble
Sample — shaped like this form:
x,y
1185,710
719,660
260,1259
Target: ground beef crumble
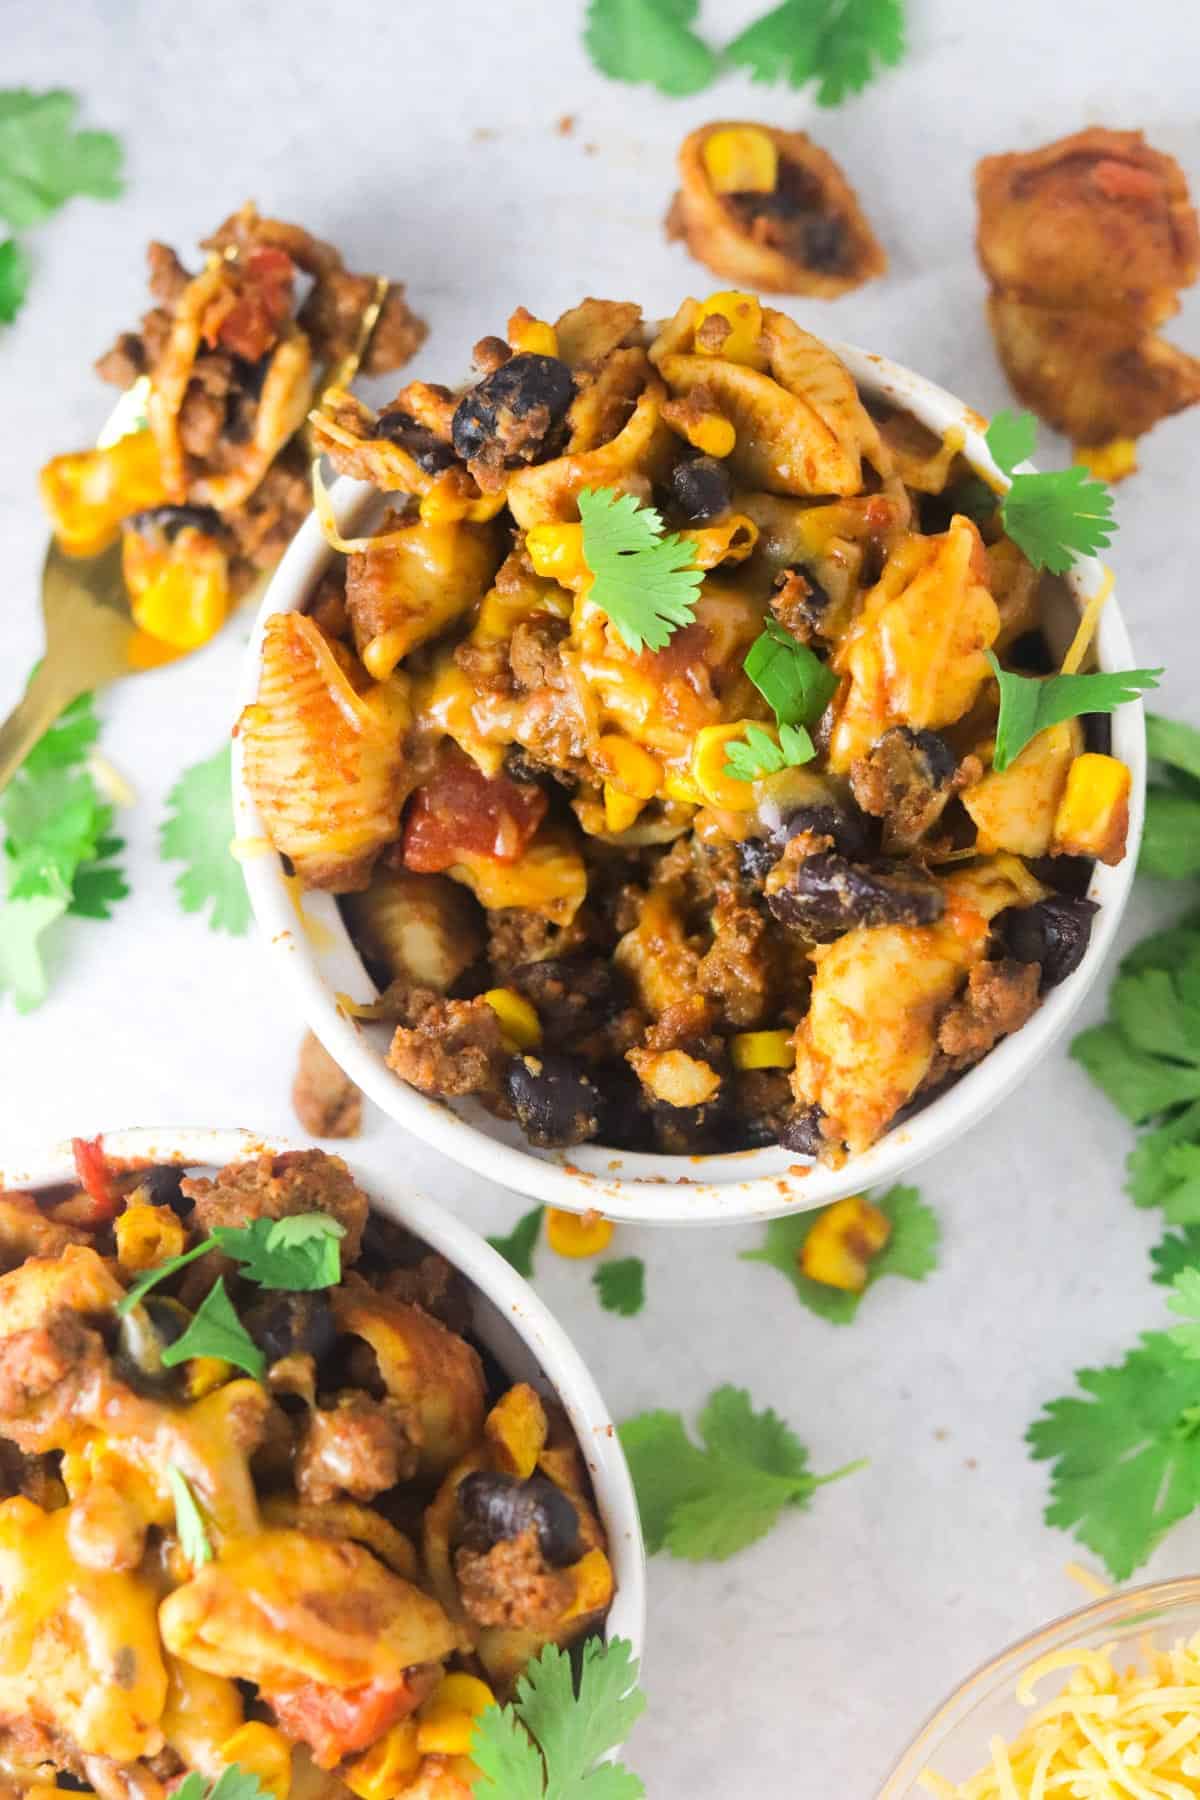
x,y
512,1585
358,1447
997,1000
277,1187
456,1048
326,1101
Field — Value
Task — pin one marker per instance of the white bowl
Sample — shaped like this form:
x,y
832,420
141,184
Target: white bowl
x,y
507,1317
313,951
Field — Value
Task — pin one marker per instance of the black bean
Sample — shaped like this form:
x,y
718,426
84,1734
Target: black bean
x,y
573,995
496,1507
803,1133
690,1130
555,1100
142,1336
849,828
808,608
163,1187
292,1325
426,449
701,488
524,389
1053,932
757,856
170,520
828,895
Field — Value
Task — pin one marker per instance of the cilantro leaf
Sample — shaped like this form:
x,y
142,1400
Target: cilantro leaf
x,y
1171,741
1146,1056
99,884
517,1247
1127,1458
15,270
44,160
549,1740
650,40
160,1272
1053,515
68,740
836,43
22,924
1171,837
1177,1251
217,1331
757,754
233,1783
1185,1299
791,678
198,832
298,1255
53,823
1029,703
911,1251
706,1504
189,1520
621,1285
643,578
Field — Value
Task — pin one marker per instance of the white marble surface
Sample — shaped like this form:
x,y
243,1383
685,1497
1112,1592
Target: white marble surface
x,y
422,138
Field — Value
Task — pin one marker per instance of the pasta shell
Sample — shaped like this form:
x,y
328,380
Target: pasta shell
x,y
590,330
413,584
546,493
323,763
285,400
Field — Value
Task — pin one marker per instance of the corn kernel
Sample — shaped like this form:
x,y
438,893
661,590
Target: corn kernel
x,y
577,1234
178,592
147,1236
1093,814
741,159
620,810
762,1050
261,1750
146,652
517,1428
742,342
628,767
446,1722
682,789
556,551
531,337
1111,461
453,497
593,1578
709,752
88,492
204,1373
388,1767
518,1020
838,1250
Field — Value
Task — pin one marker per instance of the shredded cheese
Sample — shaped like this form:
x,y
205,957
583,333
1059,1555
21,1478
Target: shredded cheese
x,y
1081,643
1126,1732
327,520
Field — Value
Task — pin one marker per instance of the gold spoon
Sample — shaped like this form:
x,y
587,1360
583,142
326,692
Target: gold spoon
x,y
86,610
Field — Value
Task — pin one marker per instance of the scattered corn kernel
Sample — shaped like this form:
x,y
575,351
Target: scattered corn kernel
x,y
446,1722
593,1578
838,1250
1093,814
683,789
628,767
146,1236
531,337
517,1429
762,1050
388,1767
620,810
577,1234
1111,461
556,551
260,1750
741,341
179,591
709,751
518,1020
204,1373
88,492
741,159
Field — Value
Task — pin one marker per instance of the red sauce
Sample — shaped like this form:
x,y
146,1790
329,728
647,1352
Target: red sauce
x,y
251,325
461,808
95,1174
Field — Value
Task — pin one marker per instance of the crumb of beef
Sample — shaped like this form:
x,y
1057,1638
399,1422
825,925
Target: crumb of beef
x,y
358,1448
517,937
997,1000
486,666
713,331
490,354
25,1231
799,604
124,362
906,779
43,1371
166,276
765,1101
201,421
572,995
512,1585
266,524
328,609
332,314
686,1025
736,971
326,1101
534,652
456,1048
278,1187
434,1285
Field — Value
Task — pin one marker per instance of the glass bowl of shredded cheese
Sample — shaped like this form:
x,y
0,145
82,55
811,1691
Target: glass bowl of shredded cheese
x,y
1101,1705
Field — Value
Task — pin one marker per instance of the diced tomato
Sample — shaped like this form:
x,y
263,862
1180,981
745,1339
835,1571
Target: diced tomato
x,y
461,808
251,325
333,1722
96,1176
1123,181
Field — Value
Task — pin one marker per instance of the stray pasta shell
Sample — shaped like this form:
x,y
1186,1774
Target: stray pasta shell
x,y
322,762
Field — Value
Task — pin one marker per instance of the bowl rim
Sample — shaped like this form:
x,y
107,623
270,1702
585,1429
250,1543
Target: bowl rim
x,y
507,1292
1009,1664
302,935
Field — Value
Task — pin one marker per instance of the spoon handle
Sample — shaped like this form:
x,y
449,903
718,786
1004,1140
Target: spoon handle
x,y
49,691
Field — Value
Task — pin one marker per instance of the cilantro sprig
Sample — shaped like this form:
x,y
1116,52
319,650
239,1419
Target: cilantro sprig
x,y
1029,703
911,1251
836,43
546,1744
216,1330
798,687
518,1247
705,1504
44,162
59,850
1171,835
621,1285
757,753
189,1520
652,41
233,1783
1054,515
643,576
198,832
298,1255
